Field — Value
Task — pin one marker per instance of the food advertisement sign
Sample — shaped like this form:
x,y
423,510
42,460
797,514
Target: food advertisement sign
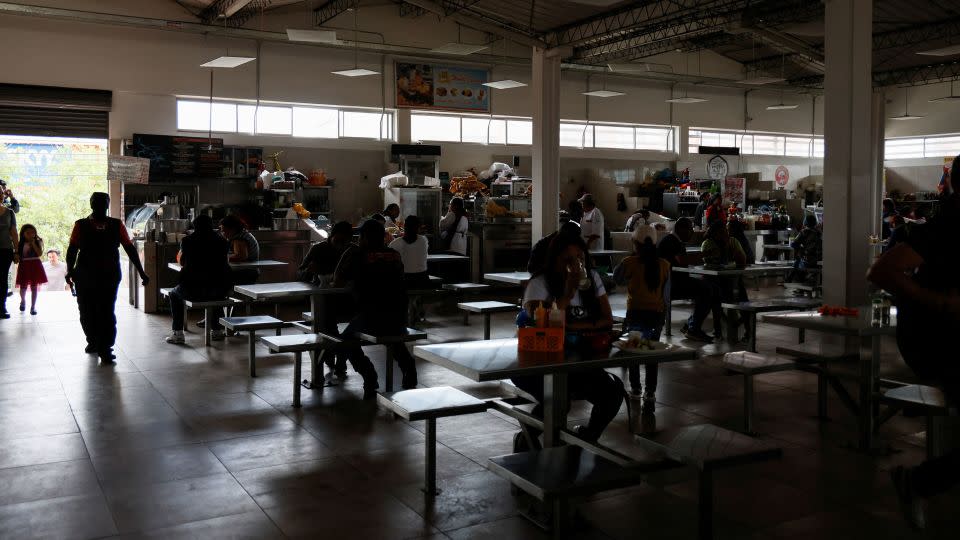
x,y
433,86
735,191
782,176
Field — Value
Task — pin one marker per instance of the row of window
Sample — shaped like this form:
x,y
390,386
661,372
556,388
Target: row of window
x,y
757,143
336,122
936,146
519,131
293,120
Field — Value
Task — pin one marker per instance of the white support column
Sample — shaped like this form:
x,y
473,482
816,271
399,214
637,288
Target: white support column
x,y
546,141
851,179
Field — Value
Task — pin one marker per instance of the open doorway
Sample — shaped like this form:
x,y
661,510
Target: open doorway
x,y
52,178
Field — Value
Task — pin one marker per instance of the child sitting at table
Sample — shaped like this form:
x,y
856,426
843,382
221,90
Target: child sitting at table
x,y
645,276
587,311
376,274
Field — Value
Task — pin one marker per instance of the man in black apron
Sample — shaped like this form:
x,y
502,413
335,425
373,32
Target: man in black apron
x,y
93,265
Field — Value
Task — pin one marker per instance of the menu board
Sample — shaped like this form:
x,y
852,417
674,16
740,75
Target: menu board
x,y
434,86
172,157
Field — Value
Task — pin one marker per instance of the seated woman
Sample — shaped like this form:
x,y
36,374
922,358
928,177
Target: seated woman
x,y
380,299
412,248
645,275
453,228
243,248
205,275
586,311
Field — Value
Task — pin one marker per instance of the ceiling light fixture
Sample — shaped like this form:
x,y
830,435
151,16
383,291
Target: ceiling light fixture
x,y
687,99
312,36
944,51
504,84
906,111
951,97
604,93
227,62
782,106
357,71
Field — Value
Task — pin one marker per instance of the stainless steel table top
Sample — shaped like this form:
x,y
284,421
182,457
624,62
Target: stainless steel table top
x,y
774,304
849,326
499,359
757,269
436,257
265,263
288,289
513,278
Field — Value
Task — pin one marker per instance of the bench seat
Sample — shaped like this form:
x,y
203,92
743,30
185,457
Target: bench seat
x,y
251,324
408,335
298,344
932,403
429,404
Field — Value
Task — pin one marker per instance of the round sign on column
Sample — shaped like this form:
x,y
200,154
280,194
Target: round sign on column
x,y
782,176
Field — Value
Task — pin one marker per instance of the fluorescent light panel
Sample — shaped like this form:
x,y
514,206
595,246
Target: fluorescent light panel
x,y
761,80
461,49
685,100
228,62
504,84
604,93
782,107
357,72
945,51
312,36
906,117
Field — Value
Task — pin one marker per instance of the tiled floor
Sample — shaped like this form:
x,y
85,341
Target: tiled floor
x,y
177,442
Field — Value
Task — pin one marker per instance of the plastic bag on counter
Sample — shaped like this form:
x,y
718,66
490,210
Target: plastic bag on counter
x,y
496,169
394,180
431,181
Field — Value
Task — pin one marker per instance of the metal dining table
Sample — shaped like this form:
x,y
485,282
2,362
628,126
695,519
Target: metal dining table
x,y
860,327
510,278
292,289
265,263
499,359
752,270
443,257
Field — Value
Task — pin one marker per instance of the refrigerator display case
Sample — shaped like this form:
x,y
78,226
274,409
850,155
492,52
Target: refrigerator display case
x,y
422,202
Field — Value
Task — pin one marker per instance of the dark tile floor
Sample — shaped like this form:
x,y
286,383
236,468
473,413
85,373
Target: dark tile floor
x,y
177,442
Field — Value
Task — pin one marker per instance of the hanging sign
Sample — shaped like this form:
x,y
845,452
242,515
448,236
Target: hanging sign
x,y
717,168
735,191
435,86
128,169
781,176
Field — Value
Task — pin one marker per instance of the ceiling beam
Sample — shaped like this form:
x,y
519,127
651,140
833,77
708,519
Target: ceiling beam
x,y
469,19
330,9
615,23
811,57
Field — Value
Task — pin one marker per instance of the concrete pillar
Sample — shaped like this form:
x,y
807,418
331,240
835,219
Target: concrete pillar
x,y
546,141
852,119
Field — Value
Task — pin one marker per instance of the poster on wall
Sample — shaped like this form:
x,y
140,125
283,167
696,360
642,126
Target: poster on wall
x,y
735,191
434,86
781,176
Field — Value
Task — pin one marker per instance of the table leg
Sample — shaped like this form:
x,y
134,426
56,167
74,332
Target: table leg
x,y
705,520
252,358
297,370
668,324
388,384
867,383
430,471
554,407
752,328
207,319
486,326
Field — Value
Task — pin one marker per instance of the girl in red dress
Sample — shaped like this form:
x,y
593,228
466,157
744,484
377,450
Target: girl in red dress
x,y
30,271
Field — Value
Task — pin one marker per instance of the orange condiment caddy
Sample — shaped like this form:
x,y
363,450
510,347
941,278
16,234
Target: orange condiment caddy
x,y
544,337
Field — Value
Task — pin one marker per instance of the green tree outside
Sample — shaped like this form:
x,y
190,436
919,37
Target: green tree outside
x,y
56,194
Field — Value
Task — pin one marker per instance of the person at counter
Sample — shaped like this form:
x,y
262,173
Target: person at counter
x,y
93,264
714,212
807,249
318,267
645,275
738,232
205,275
701,210
587,312
454,227
591,224
243,248
390,215
376,274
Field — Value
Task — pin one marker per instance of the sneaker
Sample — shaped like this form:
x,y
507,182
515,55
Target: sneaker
x,y
23,307
90,349
4,315
911,504
176,338
33,311
217,335
520,443
649,404
107,357
369,394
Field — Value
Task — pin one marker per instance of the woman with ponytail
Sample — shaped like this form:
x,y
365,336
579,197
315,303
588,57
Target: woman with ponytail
x,y
645,276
